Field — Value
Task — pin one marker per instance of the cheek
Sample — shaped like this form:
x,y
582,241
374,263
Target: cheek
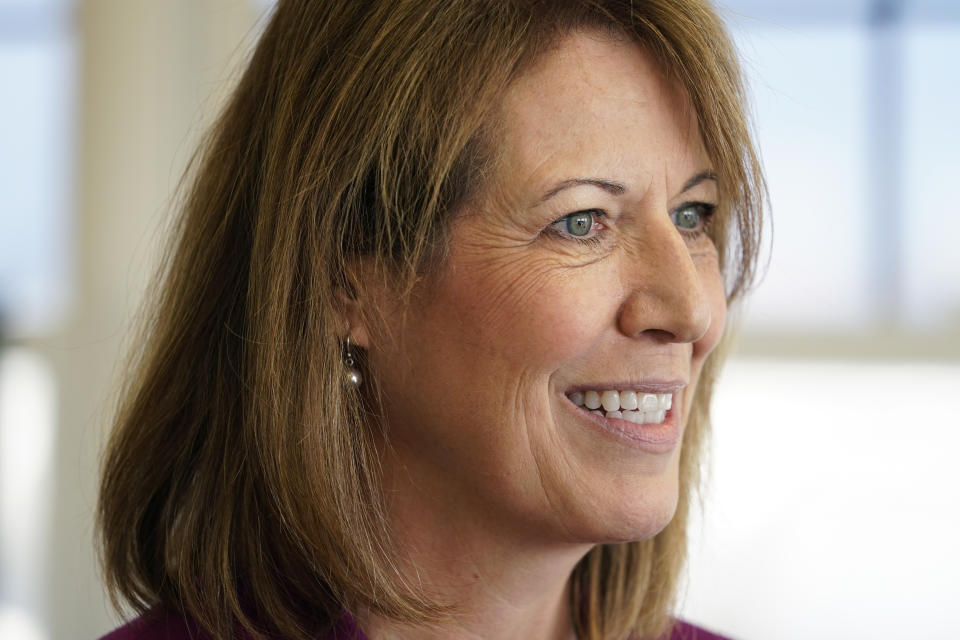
x,y
514,297
539,313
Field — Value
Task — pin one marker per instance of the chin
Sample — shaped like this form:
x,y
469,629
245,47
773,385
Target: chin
x,y
635,517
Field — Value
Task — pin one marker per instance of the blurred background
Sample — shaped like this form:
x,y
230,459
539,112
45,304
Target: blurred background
x,y
833,507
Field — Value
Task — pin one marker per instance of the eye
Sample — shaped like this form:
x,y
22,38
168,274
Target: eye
x,y
692,217
579,224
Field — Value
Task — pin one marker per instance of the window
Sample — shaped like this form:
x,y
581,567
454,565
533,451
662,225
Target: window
x,y
37,56
36,118
830,503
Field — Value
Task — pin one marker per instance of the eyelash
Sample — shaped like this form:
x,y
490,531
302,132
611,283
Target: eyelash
x,y
705,210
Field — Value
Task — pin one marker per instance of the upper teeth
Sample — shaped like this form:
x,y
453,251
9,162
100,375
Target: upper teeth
x,y
628,405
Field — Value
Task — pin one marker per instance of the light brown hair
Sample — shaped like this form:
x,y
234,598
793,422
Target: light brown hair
x,y
240,485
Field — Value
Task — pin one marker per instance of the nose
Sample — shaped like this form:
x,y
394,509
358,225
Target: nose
x,y
665,296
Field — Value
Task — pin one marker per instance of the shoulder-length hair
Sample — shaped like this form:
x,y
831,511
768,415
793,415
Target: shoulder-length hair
x,y
240,486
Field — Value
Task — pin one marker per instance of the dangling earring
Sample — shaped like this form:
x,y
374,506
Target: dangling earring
x,y
353,374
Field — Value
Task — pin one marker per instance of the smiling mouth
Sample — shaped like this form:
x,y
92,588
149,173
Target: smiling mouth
x,y
638,408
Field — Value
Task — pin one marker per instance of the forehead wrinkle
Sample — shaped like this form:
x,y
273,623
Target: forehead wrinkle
x,y
500,197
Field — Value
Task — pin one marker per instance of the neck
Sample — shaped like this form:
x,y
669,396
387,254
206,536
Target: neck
x,y
500,582
485,612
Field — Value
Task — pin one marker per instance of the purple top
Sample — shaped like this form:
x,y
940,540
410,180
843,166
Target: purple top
x,y
174,627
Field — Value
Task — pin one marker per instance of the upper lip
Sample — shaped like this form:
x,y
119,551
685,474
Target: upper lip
x,y
644,386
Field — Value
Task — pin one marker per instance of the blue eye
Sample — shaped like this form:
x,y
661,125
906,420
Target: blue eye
x,y
579,224
692,217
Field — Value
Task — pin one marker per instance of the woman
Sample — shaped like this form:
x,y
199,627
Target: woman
x,y
434,349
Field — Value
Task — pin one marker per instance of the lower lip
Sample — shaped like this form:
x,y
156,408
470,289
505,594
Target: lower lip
x,y
652,438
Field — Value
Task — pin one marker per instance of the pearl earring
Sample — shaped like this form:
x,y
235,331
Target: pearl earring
x,y
353,374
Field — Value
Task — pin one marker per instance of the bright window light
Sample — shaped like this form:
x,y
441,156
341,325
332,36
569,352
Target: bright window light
x,y
27,419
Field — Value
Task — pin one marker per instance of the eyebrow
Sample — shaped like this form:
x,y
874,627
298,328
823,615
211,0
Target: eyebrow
x,y
697,179
617,188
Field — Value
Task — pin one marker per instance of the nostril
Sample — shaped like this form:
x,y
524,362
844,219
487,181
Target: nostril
x,y
662,336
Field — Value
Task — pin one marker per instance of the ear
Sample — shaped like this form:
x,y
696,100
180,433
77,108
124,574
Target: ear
x,y
353,318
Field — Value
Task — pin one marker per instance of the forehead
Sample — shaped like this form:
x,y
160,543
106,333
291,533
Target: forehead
x,y
599,104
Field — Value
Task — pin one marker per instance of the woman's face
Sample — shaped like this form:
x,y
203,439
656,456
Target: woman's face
x,y
581,269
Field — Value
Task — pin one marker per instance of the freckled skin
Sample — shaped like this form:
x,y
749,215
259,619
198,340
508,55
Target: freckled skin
x,y
484,445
